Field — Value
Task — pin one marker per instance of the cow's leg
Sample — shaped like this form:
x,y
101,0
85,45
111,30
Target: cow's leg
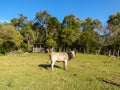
x,y
52,64
66,65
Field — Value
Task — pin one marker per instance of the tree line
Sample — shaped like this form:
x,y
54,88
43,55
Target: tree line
x,y
85,36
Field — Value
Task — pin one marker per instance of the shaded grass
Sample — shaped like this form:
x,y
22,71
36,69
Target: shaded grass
x,y
33,72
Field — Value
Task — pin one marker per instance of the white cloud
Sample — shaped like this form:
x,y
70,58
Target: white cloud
x,y
3,21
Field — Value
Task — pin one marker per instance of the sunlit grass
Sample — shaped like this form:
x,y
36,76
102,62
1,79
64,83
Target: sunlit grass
x,y
33,72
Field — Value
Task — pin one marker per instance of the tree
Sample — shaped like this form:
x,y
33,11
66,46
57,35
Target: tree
x,y
102,37
20,23
11,39
41,19
53,27
89,24
29,37
50,43
87,38
114,29
70,30
87,41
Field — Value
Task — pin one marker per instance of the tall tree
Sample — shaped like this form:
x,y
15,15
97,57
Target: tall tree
x,y
114,30
87,41
102,38
11,38
41,19
20,22
72,22
70,30
53,27
89,24
29,37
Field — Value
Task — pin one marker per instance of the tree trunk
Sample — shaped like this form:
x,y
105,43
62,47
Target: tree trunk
x,y
87,50
118,54
113,52
98,51
28,42
109,54
80,50
60,49
84,51
46,32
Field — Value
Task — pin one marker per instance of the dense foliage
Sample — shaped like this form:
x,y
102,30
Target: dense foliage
x,y
87,36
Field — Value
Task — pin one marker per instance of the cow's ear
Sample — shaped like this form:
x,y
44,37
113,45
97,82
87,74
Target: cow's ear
x,y
68,50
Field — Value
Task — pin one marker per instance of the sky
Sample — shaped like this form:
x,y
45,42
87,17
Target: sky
x,y
95,9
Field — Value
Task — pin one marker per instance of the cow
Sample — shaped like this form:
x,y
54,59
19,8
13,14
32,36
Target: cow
x,y
61,57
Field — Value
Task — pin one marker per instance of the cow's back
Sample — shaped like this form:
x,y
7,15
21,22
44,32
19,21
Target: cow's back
x,y
59,56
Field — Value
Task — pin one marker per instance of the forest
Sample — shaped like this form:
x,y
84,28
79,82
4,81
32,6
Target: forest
x,y
84,36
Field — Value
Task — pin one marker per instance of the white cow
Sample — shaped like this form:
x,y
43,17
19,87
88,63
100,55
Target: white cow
x,y
61,56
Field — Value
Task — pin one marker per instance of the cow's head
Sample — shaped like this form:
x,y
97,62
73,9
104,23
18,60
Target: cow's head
x,y
71,54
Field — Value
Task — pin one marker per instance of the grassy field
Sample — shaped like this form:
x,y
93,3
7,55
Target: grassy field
x,y
85,72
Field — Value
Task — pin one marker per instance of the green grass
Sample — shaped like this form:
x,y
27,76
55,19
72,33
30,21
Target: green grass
x,y
33,72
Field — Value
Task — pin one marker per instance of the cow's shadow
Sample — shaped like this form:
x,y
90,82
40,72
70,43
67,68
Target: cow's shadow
x,y
47,66
108,81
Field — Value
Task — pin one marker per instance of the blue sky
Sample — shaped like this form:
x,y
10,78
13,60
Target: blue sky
x,y
96,9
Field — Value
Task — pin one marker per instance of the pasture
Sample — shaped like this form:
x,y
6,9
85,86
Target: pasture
x,y
33,72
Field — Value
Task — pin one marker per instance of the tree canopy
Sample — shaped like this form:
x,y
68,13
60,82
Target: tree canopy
x,y
86,36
